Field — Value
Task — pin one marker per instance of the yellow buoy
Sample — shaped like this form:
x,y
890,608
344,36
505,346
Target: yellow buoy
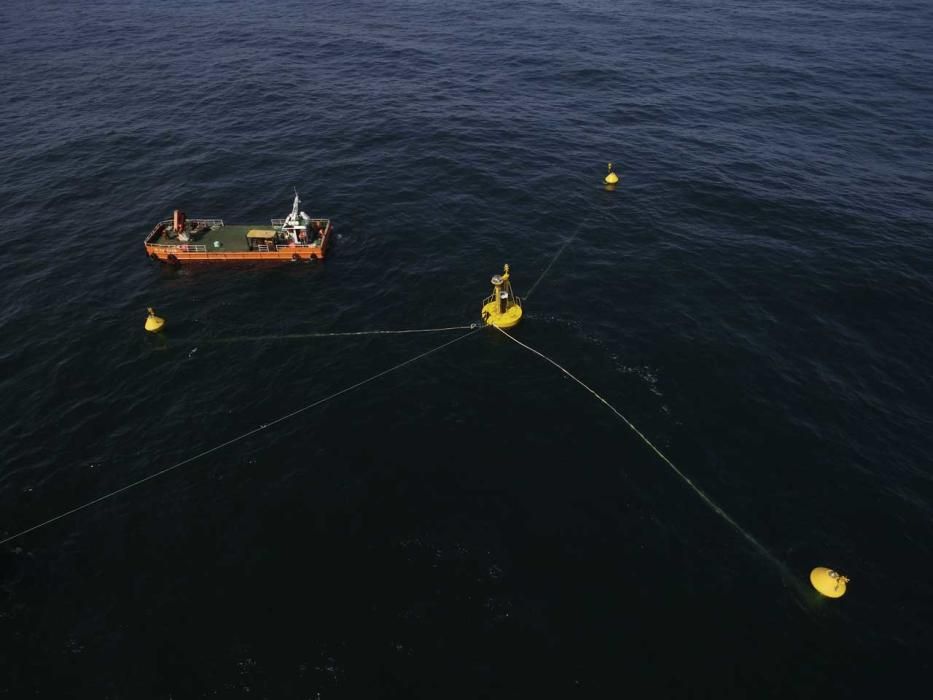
x,y
611,178
154,323
830,583
502,308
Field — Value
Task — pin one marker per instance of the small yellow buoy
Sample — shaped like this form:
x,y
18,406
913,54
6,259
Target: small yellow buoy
x,y
154,323
502,308
611,178
830,583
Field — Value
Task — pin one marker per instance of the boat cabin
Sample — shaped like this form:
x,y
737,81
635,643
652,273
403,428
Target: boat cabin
x,y
260,239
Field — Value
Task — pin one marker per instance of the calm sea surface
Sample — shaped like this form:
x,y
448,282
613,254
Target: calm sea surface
x,y
756,296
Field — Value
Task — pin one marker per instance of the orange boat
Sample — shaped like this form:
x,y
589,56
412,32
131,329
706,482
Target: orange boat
x,y
297,237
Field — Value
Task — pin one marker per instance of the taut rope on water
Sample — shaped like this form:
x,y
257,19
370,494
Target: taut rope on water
x,y
764,551
335,334
238,438
560,251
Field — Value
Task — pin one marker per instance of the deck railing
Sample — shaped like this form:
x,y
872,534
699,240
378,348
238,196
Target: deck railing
x,y
180,247
281,222
282,247
168,223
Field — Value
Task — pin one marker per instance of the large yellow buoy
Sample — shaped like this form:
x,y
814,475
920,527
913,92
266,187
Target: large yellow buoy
x,y
830,583
502,308
611,178
154,323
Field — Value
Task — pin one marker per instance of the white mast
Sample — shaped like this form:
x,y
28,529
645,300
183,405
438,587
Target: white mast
x,y
294,215
296,222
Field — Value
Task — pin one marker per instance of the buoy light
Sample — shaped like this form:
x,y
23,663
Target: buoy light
x,y
154,323
502,308
830,583
611,178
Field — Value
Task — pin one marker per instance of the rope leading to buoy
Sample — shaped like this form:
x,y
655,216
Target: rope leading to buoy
x,y
335,334
610,180
245,435
696,489
559,252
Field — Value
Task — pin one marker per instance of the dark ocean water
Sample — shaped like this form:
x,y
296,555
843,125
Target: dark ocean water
x,y
756,296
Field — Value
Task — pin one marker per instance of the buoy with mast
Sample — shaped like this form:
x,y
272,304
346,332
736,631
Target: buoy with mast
x,y
502,308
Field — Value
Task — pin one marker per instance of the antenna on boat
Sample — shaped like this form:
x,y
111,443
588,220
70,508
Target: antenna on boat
x,y
295,205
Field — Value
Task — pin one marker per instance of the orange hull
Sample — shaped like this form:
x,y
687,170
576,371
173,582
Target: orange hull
x,y
282,254
190,252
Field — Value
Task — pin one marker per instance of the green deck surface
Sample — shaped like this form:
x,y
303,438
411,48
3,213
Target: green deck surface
x,y
232,238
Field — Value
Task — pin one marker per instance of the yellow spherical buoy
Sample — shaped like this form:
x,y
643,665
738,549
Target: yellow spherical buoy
x,y
830,583
502,308
611,178
154,323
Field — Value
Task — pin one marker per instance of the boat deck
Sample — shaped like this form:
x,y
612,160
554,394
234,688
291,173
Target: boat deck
x,y
210,240
232,238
